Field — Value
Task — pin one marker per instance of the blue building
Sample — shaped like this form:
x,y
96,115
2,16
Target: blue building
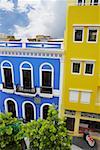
x,y
30,78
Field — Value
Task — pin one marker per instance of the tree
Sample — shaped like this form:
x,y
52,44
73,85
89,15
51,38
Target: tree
x,y
9,130
49,134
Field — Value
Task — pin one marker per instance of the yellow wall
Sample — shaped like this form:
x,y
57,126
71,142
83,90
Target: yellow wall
x,y
85,16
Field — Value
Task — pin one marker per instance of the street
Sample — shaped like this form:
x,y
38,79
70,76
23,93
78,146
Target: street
x,y
81,143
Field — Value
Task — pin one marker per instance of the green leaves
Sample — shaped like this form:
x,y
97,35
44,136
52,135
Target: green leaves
x,y
49,134
9,131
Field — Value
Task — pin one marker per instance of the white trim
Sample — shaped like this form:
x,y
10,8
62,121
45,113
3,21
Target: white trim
x,y
92,28
21,74
78,59
83,3
93,2
78,28
52,71
82,101
61,85
81,90
2,72
6,107
86,25
75,73
23,109
89,62
56,93
41,109
25,94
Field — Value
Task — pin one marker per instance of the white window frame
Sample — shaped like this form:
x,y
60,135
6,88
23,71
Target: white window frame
x,y
89,62
75,101
82,3
92,28
41,109
23,109
2,74
82,102
21,73
78,28
6,106
72,67
93,2
52,82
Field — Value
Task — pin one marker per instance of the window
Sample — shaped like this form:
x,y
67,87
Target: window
x,y
29,111
81,2
98,96
26,78
89,67
44,110
11,106
78,34
73,96
76,67
7,75
94,2
70,122
85,97
46,78
92,35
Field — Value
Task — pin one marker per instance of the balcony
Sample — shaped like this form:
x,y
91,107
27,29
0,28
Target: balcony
x,y
46,90
25,90
8,86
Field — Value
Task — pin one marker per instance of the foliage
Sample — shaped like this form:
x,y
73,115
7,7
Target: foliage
x,y
49,134
9,130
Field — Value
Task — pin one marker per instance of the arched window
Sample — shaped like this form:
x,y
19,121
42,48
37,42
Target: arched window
x,y
44,110
46,78
11,106
26,78
29,111
7,75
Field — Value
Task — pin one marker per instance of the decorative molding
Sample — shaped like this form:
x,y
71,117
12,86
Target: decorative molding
x,y
32,53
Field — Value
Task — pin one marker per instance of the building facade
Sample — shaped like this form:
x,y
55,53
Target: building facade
x,y
81,91
30,78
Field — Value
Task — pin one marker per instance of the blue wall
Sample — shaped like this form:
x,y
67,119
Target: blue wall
x,y
36,62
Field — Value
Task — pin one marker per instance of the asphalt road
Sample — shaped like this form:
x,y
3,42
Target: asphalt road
x,y
80,142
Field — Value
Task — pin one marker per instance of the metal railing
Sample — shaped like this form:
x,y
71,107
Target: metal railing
x,y
46,90
21,89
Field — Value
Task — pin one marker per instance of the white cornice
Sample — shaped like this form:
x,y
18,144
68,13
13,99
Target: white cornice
x,y
18,52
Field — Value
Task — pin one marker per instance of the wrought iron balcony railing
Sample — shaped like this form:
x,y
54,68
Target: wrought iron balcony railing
x,y
21,89
8,85
46,90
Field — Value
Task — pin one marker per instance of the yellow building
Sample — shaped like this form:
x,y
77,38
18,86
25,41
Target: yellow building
x,y
81,87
